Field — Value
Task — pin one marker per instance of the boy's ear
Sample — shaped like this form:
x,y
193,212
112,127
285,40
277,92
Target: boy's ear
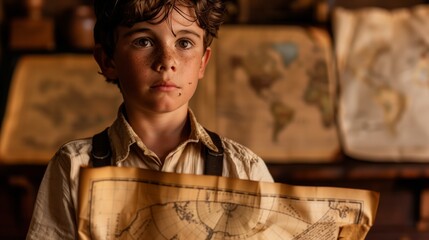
x,y
105,63
204,61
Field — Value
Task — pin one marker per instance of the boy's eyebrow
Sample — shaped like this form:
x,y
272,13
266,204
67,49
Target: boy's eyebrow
x,y
143,30
185,31
137,30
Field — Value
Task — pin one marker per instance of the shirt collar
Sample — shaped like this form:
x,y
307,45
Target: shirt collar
x,y
123,136
199,133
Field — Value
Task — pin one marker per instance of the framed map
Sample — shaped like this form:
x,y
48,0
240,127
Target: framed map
x,y
276,90
54,99
384,84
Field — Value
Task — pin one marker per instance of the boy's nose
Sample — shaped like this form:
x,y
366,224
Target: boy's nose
x,y
164,61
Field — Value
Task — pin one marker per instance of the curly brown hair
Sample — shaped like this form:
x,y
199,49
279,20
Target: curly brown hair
x,y
209,14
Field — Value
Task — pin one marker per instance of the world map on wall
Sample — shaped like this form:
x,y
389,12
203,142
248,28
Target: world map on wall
x,y
55,99
274,88
384,83
261,67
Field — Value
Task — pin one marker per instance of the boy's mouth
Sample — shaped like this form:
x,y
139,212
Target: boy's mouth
x,y
165,86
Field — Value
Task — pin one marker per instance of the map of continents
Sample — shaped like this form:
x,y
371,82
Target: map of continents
x,y
274,87
382,109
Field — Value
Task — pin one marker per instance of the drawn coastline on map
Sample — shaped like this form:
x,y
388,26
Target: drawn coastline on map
x,y
131,203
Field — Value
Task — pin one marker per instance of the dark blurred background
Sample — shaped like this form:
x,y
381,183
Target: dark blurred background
x,y
404,205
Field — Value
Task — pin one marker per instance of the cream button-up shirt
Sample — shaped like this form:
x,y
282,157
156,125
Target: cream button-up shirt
x,y
54,215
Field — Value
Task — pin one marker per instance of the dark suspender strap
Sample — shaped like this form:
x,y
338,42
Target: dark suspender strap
x,y
100,153
213,162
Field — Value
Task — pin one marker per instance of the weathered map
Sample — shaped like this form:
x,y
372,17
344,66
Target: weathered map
x,y
383,64
276,91
132,203
54,99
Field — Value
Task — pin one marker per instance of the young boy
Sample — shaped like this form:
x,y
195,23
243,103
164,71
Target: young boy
x,y
156,51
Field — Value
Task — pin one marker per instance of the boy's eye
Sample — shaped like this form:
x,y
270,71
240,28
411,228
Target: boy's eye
x,y
185,44
142,42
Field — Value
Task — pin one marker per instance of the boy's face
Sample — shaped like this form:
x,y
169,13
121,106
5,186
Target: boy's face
x,y
158,66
